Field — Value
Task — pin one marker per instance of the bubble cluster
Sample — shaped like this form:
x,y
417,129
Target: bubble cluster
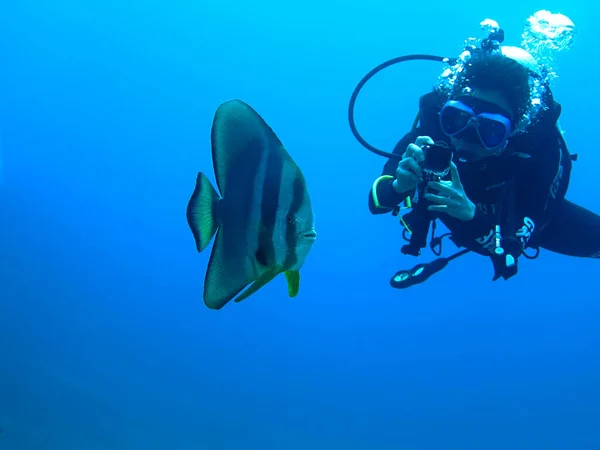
x,y
544,35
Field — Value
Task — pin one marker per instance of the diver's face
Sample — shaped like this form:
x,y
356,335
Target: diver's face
x,y
495,99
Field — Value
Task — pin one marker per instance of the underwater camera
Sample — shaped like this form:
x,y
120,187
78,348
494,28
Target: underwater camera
x,y
436,164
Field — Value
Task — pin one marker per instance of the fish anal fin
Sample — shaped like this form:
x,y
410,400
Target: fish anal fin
x,y
227,273
266,278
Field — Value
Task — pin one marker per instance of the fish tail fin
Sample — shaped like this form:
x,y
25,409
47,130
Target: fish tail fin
x,y
202,211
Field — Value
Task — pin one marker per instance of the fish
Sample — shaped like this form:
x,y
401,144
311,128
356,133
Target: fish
x,y
262,216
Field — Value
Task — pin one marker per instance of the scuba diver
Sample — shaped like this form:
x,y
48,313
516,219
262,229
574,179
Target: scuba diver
x,y
487,158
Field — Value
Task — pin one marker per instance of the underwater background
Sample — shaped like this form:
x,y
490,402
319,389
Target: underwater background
x,y
105,342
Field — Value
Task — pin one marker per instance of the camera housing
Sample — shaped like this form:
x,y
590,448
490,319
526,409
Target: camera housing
x,y
436,163
435,166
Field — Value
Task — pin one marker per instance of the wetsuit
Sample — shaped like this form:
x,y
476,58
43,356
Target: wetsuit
x,y
522,191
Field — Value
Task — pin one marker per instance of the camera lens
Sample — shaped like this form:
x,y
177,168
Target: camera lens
x,y
437,158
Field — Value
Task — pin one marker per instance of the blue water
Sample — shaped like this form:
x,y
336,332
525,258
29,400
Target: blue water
x,y
105,342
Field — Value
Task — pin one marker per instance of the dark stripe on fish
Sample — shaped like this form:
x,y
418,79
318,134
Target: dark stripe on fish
x,y
272,185
241,173
291,235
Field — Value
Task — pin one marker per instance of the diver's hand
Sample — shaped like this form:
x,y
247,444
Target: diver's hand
x,y
409,173
452,199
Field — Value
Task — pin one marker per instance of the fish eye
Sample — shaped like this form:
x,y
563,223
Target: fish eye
x,y
290,219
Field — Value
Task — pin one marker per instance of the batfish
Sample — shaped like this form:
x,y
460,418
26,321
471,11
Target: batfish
x,y
262,214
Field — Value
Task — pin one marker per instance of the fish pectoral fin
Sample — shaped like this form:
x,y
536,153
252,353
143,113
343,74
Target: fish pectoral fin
x,y
263,280
293,282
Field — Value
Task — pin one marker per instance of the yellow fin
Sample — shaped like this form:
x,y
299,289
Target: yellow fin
x,y
293,282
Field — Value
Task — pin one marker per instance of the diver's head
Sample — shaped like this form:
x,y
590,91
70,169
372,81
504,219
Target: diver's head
x,y
491,100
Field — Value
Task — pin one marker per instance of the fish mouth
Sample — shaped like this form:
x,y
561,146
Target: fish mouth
x,y
310,234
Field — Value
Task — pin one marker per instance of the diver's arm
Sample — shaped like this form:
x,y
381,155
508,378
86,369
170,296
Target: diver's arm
x,y
572,231
565,227
480,228
383,198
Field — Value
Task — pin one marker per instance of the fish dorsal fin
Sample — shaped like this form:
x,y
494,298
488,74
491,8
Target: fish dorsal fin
x,y
238,136
293,282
